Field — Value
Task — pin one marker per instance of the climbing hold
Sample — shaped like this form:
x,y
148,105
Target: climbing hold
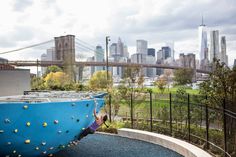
x,y
83,128
27,141
87,105
15,131
1,131
36,148
50,155
7,120
14,151
28,124
56,121
43,143
25,107
59,132
72,104
86,116
19,155
8,143
45,152
51,148
45,124
77,120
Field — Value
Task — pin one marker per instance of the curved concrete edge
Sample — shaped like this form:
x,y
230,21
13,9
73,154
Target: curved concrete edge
x,y
179,146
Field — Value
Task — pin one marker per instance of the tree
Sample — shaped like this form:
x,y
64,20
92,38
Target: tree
x,y
57,80
53,69
131,73
167,74
99,80
221,89
161,83
37,83
183,76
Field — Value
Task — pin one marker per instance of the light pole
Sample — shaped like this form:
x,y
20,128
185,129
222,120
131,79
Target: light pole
x,y
107,40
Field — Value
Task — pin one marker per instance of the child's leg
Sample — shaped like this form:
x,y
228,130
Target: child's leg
x,y
85,133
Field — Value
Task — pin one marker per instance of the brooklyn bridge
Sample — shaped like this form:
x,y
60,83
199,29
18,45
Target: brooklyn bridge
x,y
65,52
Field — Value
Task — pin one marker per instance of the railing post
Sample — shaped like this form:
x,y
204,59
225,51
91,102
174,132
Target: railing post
x,y
207,126
188,118
170,116
131,110
151,109
110,107
225,135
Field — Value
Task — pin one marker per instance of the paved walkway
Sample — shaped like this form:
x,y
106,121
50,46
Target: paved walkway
x,y
98,145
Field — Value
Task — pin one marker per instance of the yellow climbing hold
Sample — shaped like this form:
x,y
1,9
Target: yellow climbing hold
x,y
28,123
27,141
15,131
45,124
25,107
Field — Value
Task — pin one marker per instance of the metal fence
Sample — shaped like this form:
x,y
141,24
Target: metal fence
x,y
184,116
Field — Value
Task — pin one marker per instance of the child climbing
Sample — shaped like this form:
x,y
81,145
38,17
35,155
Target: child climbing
x,y
95,125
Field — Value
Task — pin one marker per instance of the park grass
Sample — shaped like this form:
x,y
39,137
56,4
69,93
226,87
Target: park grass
x,y
174,90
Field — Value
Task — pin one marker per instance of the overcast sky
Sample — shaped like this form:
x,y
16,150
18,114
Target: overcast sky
x,y
26,22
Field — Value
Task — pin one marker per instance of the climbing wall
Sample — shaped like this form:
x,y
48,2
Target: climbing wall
x,y
41,129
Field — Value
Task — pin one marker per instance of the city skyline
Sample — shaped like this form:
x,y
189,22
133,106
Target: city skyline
x,y
157,22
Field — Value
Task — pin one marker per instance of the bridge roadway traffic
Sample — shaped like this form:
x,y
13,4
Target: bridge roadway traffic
x,y
87,63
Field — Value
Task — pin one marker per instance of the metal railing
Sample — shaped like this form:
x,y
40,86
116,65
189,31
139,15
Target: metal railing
x,y
188,117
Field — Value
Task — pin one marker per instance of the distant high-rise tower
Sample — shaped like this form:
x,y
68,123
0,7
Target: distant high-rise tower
x,y
141,46
223,56
151,52
120,48
113,49
99,57
214,45
203,50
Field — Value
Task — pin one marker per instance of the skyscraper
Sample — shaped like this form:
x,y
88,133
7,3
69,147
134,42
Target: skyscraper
x,y
214,45
120,48
113,49
99,57
203,50
166,50
151,52
141,46
223,56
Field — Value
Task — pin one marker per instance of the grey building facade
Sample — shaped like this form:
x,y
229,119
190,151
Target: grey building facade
x,y
14,81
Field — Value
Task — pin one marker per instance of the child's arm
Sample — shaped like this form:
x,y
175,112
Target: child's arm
x,y
94,112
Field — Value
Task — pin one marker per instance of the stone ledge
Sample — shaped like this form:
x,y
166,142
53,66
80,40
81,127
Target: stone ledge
x,y
179,146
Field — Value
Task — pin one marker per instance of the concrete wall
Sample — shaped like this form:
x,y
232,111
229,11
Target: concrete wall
x,y
179,146
14,82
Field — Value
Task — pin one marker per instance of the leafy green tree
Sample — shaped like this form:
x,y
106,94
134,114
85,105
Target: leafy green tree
x,y
221,86
131,74
183,76
37,83
53,69
161,83
57,81
99,80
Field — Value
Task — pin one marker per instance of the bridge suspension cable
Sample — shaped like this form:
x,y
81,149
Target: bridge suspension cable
x,y
27,47
85,47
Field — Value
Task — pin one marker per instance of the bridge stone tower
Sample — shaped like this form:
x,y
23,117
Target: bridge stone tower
x,y
65,52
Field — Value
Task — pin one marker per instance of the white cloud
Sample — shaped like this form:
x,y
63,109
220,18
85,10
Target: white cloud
x,y
25,22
